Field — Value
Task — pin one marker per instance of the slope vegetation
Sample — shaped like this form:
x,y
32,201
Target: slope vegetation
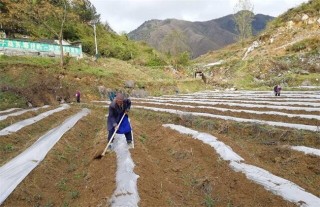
x,y
286,53
40,81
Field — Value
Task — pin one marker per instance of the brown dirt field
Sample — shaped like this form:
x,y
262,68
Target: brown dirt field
x,y
266,117
174,169
182,171
266,147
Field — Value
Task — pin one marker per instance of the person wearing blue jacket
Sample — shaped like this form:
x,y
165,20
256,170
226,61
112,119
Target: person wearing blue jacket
x,y
118,107
111,95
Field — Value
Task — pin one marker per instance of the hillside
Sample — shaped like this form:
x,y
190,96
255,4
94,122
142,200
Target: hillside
x,y
41,81
172,35
41,21
286,53
38,81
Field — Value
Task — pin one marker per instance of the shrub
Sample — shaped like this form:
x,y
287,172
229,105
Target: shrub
x,y
311,44
155,61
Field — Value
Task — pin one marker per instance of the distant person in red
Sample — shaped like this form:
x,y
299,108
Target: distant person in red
x,y
78,96
277,90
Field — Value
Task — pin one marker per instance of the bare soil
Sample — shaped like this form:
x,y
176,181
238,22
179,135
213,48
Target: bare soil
x,y
174,169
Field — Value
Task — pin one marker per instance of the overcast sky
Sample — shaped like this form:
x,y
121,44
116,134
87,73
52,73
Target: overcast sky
x,y
127,15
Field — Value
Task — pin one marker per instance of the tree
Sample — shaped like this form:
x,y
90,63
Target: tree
x,y
184,58
50,15
7,22
39,13
243,16
86,11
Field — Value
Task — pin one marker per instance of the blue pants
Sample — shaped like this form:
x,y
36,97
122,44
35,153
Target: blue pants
x,y
128,135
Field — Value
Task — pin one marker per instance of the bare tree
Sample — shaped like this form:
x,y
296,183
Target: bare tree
x,y
41,18
243,16
50,15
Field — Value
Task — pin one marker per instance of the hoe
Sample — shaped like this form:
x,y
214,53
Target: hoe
x,y
100,155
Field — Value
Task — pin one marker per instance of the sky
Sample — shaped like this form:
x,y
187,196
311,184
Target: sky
x,y
127,15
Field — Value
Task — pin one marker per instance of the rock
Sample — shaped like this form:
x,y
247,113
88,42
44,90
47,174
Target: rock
x,y
290,25
256,80
311,21
271,40
297,18
103,92
129,84
263,76
304,17
254,45
231,89
306,83
139,93
304,72
29,104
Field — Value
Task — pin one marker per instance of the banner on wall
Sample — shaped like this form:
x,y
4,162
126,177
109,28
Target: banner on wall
x,y
74,51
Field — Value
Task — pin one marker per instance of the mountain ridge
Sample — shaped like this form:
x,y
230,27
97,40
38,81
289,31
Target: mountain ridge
x,y
197,37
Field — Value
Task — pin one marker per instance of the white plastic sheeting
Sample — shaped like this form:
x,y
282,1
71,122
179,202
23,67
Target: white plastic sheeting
x,y
8,110
272,123
250,94
306,150
305,116
19,125
277,185
277,98
221,101
3,117
126,193
233,104
13,172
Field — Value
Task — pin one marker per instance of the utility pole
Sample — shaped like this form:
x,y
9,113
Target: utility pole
x,y
93,23
95,38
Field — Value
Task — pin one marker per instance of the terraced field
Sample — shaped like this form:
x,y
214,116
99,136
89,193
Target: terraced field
x,y
212,148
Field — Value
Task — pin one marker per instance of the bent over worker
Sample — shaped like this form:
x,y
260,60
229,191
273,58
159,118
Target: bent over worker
x,y
118,107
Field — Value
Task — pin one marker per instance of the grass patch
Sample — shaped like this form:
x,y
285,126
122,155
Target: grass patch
x,y
310,44
10,99
209,201
62,184
74,194
39,61
143,138
9,147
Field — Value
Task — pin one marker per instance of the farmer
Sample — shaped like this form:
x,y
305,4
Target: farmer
x,y
78,96
277,90
111,95
118,107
